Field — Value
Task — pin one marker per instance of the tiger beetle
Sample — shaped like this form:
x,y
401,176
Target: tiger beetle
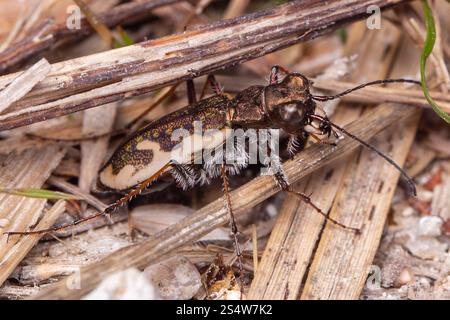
x,y
285,104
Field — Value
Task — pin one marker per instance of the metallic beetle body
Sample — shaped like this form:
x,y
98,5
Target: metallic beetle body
x,y
286,105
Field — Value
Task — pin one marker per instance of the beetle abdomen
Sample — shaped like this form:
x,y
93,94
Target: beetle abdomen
x,y
150,148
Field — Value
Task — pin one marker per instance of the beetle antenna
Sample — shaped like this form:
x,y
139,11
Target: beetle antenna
x,y
371,83
409,180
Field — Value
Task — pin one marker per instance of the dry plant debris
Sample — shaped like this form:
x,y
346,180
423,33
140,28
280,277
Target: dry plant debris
x,y
177,245
28,169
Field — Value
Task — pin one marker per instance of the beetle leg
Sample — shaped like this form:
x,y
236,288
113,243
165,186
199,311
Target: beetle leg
x,y
190,87
184,175
296,143
306,198
233,224
281,180
216,87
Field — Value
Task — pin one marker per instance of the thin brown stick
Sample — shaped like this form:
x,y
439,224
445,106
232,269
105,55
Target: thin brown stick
x,y
118,74
49,35
23,83
80,138
215,215
97,24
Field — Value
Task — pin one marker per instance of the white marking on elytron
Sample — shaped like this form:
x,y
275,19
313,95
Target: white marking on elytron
x,y
128,176
192,144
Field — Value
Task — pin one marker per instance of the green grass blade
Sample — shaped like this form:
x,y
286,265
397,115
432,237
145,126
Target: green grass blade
x,y
39,194
124,39
427,49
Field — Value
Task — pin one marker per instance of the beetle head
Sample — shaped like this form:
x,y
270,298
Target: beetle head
x,y
288,102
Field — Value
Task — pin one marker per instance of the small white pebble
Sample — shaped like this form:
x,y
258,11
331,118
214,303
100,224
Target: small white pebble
x,y
430,226
130,284
175,278
404,277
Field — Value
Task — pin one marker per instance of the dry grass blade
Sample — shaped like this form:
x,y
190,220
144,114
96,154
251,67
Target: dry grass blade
x,y
98,79
49,35
25,244
23,83
96,121
283,265
29,169
440,205
215,215
17,292
68,187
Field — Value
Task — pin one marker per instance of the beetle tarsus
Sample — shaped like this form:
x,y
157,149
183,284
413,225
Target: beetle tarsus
x,y
283,183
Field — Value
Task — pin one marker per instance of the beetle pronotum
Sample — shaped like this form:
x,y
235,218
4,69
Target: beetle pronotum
x,y
284,104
